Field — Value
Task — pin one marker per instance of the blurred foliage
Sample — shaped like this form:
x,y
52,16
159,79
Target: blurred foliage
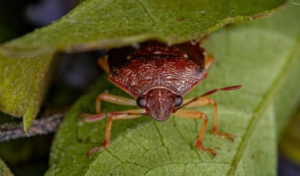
x,y
4,170
290,141
27,156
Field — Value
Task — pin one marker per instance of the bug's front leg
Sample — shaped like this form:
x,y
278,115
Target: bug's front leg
x,y
108,98
208,101
123,115
186,114
103,63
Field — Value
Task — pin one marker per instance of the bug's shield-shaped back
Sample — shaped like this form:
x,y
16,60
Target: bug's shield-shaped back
x,y
140,75
157,65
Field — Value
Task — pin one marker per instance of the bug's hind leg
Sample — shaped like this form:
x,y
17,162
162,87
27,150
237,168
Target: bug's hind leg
x,y
103,63
208,101
108,98
186,114
115,116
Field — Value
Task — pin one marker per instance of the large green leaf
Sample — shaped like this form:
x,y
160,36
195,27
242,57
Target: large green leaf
x,y
98,24
107,23
262,56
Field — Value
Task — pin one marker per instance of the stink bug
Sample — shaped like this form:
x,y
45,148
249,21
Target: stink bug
x,y
158,76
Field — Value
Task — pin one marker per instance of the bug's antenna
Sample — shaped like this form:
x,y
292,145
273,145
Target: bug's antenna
x,y
230,88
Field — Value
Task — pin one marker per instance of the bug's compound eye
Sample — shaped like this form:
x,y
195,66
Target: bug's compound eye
x,y
141,102
178,100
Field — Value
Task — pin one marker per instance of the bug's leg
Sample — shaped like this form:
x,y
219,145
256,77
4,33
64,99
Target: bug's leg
x,y
115,116
208,101
186,114
208,58
103,62
108,98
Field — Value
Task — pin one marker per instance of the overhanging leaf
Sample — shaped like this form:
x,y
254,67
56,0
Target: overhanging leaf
x,y
106,24
262,56
22,85
98,24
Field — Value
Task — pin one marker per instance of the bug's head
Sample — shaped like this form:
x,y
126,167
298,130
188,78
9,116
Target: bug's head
x,y
159,103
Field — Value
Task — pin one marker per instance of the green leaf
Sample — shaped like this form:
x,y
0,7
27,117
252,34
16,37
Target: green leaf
x,y
262,56
4,170
98,24
104,24
23,83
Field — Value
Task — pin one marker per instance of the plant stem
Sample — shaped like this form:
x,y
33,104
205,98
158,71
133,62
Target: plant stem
x,y
41,126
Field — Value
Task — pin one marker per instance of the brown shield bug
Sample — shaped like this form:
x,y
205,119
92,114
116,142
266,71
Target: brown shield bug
x,y
158,76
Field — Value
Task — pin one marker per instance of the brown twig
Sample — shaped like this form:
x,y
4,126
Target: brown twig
x,y
41,126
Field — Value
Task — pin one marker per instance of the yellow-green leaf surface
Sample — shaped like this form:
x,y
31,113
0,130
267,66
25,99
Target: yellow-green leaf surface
x,y
98,24
4,170
262,56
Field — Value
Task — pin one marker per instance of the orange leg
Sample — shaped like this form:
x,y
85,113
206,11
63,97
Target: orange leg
x,y
108,98
208,101
115,116
186,114
208,58
103,62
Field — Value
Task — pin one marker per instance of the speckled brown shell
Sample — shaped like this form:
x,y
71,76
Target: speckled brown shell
x,y
178,68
